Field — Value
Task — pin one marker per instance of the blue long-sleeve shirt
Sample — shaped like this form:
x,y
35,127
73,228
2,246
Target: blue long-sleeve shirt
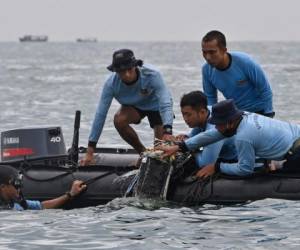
x,y
31,204
263,137
148,93
203,139
224,149
244,81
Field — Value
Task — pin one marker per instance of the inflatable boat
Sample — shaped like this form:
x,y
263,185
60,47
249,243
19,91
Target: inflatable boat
x,y
48,171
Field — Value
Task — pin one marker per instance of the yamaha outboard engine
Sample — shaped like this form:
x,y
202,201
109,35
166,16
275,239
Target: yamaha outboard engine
x,y
33,144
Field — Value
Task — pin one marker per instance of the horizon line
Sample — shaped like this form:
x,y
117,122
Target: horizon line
x,y
150,41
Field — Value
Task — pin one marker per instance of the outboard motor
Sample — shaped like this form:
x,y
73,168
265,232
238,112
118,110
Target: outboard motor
x,y
32,144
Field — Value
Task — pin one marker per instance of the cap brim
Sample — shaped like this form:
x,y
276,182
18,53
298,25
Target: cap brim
x,y
110,68
122,67
218,121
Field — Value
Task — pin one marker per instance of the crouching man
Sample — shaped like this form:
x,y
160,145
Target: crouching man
x,y
256,136
196,113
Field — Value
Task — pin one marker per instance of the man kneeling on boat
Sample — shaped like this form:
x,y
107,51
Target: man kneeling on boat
x,y
11,196
195,113
256,136
141,91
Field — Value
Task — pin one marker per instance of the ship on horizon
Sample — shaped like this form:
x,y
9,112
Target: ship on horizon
x,y
87,40
31,38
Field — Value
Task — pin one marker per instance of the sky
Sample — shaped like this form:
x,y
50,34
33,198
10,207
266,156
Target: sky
x,y
151,20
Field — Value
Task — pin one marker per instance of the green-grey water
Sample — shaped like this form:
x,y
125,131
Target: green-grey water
x,y
42,84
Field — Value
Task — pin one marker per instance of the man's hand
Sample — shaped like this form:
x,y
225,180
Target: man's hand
x,y
77,187
168,137
274,165
181,137
89,157
206,171
168,150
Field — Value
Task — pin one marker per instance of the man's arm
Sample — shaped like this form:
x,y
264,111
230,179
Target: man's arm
x,y
261,83
194,143
209,155
203,139
165,102
98,123
101,112
257,75
246,161
77,188
195,131
244,167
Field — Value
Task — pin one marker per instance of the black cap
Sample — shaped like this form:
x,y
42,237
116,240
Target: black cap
x,y
123,59
223,112
7,173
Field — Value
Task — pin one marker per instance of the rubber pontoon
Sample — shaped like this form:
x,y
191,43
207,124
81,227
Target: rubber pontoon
x,y
111,177
48,172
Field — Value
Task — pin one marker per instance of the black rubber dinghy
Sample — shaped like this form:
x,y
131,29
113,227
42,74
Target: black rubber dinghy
x,y
49,170
50,177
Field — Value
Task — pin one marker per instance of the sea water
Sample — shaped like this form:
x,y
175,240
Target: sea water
x,y
43,84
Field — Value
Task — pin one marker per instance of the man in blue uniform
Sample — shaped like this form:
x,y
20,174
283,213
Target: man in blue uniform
x,y
255,136
12,198
195,114
235,75
141,92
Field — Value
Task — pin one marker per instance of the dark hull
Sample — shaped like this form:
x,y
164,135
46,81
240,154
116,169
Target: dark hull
x,y
29,38
224,190
44,180
42,183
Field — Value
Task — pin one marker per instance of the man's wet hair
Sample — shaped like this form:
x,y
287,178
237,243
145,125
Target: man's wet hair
x,y
215,35
195,99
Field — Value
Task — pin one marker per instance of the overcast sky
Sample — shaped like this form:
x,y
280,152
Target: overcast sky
x,y
151,20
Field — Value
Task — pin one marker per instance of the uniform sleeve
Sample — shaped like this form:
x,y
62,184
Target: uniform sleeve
x,y
34,205
260,81
257,75
165,100
101,112
203,139
209,89
210,154
194,132
246,163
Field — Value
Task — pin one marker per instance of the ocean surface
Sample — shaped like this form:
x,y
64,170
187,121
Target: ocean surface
x,y
43,84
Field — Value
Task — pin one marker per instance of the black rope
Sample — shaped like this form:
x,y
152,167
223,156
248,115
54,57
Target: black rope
x,y
197,190
47,179
25,166
90,181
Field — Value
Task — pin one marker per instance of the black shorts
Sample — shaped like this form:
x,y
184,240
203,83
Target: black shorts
x,y
154,117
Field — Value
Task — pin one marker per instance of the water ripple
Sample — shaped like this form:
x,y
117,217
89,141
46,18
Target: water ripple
x,y
43,84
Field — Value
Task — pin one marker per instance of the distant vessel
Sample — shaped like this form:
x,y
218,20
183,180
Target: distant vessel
x,y
87,40
30,38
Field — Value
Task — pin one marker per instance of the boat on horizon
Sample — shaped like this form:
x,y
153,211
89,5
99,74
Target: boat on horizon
x,y
31,38
87,40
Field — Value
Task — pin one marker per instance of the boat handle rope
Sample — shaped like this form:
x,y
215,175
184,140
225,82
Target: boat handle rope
x,y
91,180
23,170
46,179
69,171
198,190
